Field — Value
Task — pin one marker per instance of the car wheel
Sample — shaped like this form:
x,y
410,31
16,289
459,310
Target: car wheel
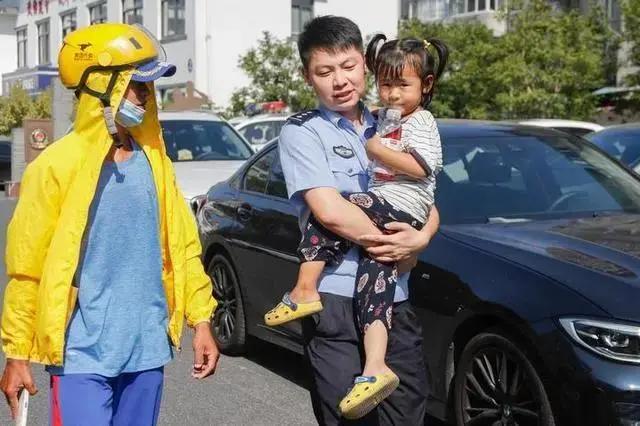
x,y
228,325
496,384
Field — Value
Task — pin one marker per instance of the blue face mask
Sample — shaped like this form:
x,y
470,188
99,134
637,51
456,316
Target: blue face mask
x,y
129,114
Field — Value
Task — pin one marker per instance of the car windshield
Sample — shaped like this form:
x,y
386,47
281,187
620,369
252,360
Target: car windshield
x,y
519,176
203,140
623,145
261,132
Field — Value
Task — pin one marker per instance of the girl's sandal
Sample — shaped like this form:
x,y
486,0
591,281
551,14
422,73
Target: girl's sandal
x,y
366,393
288,310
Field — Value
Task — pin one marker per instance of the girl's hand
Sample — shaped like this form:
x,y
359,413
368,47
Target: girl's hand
x,y
404,243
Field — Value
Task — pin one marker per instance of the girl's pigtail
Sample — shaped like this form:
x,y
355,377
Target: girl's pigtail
x,y
373,48
443,55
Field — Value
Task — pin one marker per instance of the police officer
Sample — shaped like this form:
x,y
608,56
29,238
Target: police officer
x,y
323,155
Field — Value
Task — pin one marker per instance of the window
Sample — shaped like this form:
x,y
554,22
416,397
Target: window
x,y
457,7
301,13
173,18
68,23
614,14
256,178
277,187
21,36
98,13
43,43
262,132
203,140
471,5
519,177
132,11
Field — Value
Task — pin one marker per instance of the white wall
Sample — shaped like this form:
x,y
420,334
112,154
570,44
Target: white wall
x,y
8,46
227,29
181,51
372,16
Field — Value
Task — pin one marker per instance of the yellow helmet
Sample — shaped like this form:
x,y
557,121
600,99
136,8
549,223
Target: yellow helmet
x,y
106,47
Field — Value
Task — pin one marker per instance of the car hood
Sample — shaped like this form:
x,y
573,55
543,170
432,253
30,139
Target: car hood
x,y
196,177
597,257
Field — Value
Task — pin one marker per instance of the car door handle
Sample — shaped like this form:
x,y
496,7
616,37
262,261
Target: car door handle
x,y
244,212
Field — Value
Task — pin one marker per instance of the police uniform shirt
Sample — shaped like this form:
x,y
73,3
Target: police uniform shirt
x,y
320,148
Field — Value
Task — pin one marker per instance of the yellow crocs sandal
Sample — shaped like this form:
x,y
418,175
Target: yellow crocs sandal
x,y
288,310
367,392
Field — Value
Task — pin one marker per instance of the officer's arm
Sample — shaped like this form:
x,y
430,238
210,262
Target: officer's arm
x,y
309,178
339,215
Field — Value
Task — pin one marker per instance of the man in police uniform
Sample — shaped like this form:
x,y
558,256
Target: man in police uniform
x,y
323,155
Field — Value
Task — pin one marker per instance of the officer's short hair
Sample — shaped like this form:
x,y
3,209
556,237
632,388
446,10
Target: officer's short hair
x,y
331,33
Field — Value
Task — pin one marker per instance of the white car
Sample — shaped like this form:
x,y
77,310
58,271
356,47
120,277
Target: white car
x,y
576,128
204,149
261,129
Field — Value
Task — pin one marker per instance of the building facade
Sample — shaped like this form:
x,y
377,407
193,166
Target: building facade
x,y
8,53
204,38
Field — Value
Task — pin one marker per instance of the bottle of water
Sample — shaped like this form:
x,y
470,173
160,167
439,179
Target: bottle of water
x,y
390,131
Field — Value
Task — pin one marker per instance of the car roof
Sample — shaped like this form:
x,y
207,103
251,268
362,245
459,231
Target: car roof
x,y
262,118
459,128
188,115
552,122
621,127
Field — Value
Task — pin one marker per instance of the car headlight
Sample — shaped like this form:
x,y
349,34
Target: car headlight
x,y
612,340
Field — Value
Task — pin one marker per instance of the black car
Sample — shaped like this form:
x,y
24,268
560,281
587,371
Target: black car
x,y
621,142
529,295
5,162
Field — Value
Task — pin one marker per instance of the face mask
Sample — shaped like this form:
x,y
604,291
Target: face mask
x,y
129,114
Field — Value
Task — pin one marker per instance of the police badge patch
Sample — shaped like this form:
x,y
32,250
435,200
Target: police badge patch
x,y
343,151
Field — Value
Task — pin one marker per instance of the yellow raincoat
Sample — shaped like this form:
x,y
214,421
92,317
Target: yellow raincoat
x,y
43,241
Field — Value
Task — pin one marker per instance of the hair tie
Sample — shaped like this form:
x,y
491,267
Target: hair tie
x,y
426,44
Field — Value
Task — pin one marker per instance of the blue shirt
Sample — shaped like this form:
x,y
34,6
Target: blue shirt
x,y
324,149
119,324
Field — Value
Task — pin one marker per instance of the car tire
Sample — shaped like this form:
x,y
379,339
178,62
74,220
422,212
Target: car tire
x,y
228,322
487,361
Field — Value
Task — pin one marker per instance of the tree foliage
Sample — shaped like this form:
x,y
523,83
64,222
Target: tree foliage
x,y
546,65
19,105
631,13
273,68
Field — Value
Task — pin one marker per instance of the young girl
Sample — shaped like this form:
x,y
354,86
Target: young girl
x,y
401,189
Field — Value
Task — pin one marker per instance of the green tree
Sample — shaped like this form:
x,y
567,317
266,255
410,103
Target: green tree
x,y
546,65
631,13
19,105
466,89
274,70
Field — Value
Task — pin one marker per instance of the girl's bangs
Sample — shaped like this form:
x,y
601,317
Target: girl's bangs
x,y
391,66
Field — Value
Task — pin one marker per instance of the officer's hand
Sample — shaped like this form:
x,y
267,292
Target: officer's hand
x,y
17,376
205,352
404,242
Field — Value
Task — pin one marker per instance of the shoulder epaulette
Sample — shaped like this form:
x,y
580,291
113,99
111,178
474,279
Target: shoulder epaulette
x,y
302,117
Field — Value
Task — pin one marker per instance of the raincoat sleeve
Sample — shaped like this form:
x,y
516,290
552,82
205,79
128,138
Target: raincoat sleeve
x,y
200,303
28,237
